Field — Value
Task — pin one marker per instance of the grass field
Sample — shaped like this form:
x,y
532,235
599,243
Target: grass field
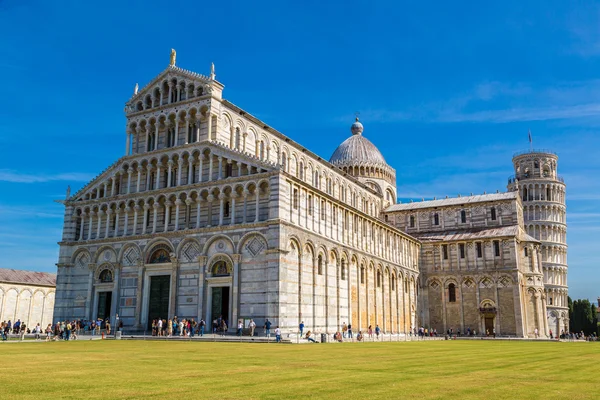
x,y
188,370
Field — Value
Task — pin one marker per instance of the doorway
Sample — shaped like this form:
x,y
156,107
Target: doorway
x,y
104,304
220,303
489,326
158,306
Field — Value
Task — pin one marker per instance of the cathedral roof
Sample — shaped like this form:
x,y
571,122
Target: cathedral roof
x,y
357,150
482,198
27,277
476,234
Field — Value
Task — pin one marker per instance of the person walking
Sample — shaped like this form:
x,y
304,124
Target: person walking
x,y
301,328
278,334
370,331
267,328
67,330
202,324
344,330
350,331
252,326
377,331
240,328
223,327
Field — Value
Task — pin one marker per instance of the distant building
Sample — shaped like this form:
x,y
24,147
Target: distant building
x,y
27,295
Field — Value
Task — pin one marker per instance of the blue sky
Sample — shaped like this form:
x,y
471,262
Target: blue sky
x,y
447,92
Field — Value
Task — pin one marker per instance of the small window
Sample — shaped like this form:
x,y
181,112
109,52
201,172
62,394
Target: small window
x,y
343,271
536,164
295,200
493,212
479,249
463,217
106,276
496,248
226,208
445,251
229,170
549,301
451,293
462,250
320,265
436,219
526,252
412,221
378,278
393,282
310,205
323,210
362,275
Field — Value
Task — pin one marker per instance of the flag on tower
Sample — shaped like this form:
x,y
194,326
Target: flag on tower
x,y
530,136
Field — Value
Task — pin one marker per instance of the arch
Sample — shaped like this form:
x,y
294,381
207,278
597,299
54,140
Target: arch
x,y
101,250
129,254
213,239
220,264
81,258
159,254
189,249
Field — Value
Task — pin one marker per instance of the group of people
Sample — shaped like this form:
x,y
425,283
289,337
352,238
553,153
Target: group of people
x,y
178,327
63,330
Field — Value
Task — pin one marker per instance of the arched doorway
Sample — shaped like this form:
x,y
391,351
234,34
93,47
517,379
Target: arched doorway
x,y
219,281
488,311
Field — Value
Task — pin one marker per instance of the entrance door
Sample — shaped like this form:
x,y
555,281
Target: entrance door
x,y
104,303
220,304
489,325
158,307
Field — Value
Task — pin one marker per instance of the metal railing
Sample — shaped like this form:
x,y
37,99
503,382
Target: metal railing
x,y
522,177
532,151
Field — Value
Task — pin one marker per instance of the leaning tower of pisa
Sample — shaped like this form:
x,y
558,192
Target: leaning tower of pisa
x,y
544,212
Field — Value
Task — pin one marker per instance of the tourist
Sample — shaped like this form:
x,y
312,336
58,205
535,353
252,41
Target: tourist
x,y
193,325
223,327
338,337
252,326
37,331
240,328
301,328
344,329
350,331
159,326
535,332
370,332
277,334
310,339
267,328
67,330
215,325
107,326
551,336
182,327
202,325
377,331
359,337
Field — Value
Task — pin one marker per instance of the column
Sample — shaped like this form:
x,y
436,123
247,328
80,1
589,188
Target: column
x,y
136,208
179,168
210,200
235,294
176,138
178,204
188,212
117,214
109,212
245,194
89,235
168,206
81,226
145,223
170,92
198,202
232,210
157,186
100,215
126,223
221,205
147,137
157,124
155,217
200,167
210,167
88,301
170,171
128,143
129,173
190,178
197,130
239,168
139,178
220,171
187,130
209,118
113,186
258,203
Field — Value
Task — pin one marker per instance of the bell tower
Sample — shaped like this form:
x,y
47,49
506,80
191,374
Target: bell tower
x,y
543,192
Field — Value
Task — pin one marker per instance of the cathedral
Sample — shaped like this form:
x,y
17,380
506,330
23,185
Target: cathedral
x,y
212,212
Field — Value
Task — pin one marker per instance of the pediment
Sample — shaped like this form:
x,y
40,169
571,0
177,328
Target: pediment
x,y
191,85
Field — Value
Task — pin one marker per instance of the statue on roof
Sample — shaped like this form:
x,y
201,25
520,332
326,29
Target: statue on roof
x,y
212,71
68,192
135,90
173,57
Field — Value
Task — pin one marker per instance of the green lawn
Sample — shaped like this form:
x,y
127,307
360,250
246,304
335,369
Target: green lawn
x,y
184,370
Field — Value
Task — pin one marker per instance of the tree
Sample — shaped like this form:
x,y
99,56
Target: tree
x,y
583,316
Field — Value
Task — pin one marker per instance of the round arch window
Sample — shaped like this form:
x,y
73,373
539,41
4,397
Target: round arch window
x,y
106,276
220,269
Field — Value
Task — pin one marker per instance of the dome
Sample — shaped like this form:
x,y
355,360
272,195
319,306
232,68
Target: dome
x,y
357,149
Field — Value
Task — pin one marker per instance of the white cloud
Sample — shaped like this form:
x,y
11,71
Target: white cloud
x,y
7,175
